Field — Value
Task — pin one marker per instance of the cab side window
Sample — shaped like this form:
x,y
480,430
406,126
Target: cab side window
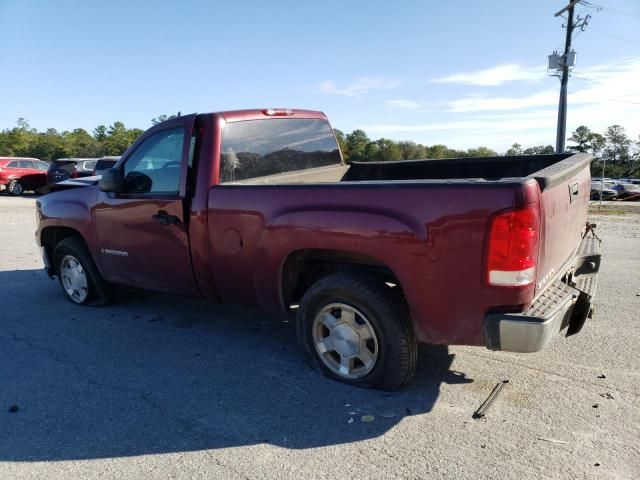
x,y
155,165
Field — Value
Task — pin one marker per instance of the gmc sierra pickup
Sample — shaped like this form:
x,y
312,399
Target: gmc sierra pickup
x,y
258,208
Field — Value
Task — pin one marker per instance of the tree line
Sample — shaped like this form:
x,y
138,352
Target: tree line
x,y
613,145
614,150
622,155
51,144
357,146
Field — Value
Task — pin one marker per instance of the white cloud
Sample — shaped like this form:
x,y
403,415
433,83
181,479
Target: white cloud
x,y
500,130
495,76
360,86
402,103
479,103
614,82
599,96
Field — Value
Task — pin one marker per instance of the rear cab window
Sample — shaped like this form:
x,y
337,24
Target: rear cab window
x,y
272,148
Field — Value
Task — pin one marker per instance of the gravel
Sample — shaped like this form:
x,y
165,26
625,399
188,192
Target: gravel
x,y
158,386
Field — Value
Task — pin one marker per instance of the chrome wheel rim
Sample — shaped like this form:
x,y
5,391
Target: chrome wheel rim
x,y
17,188
74,279
345,341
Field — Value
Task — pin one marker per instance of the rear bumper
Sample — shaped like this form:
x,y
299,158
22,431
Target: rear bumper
x,y
562,307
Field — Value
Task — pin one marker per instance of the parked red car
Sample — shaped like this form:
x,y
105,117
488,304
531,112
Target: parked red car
x,y
258,208
18,175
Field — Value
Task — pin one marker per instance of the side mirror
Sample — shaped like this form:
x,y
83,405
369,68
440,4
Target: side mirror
x,y
112,180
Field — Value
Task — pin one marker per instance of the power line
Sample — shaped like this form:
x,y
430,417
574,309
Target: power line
x,y
587,79
622,101
613,11
614,36
630,102
628,15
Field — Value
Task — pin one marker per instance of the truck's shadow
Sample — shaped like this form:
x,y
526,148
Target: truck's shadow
x,y
157,374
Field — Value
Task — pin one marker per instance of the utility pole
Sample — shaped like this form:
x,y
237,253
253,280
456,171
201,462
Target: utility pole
x,y
562,105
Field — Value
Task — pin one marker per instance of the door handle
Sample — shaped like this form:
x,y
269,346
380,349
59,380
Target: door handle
x,y
573,192
163,218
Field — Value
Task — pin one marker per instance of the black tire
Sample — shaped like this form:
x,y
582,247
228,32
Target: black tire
x,y
100,292
15,188
385,311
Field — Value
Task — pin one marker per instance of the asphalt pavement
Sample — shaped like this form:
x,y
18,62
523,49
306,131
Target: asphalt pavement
x,y
159,386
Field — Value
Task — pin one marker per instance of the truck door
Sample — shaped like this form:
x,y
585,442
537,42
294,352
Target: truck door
x,y
141,231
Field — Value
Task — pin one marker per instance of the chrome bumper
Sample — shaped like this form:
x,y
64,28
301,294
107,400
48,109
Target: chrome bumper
x,y
560,307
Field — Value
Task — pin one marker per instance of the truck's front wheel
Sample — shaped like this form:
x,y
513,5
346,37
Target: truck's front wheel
x,y
356,330
78,275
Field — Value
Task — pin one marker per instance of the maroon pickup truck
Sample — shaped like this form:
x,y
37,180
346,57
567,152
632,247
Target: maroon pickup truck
x,y
258,208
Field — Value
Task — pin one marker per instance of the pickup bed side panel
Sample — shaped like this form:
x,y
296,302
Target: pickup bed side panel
x,y
430,236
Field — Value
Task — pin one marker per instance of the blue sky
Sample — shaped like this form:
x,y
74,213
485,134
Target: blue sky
x,y
464,73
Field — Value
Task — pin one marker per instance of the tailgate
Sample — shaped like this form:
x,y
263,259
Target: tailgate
x,y
566,189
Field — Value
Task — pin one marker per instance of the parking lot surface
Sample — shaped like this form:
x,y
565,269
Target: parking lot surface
x,y
159,386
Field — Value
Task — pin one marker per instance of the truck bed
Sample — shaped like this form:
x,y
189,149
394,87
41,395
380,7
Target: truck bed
x,y
440,210
547,170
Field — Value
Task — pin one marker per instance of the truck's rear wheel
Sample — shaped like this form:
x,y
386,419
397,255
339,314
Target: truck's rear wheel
x,y
80,280
357,331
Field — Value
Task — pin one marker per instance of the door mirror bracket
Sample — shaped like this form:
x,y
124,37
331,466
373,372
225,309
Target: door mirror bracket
x,y
112,180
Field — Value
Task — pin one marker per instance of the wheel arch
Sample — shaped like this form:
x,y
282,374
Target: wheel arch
x,y
51,236
303,267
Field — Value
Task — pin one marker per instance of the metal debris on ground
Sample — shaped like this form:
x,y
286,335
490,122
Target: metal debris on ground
x,y
482,410
350,420
595,405
552,440
602,376
607,395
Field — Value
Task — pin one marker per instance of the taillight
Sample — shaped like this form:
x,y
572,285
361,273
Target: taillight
x,y
74,172
512,251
